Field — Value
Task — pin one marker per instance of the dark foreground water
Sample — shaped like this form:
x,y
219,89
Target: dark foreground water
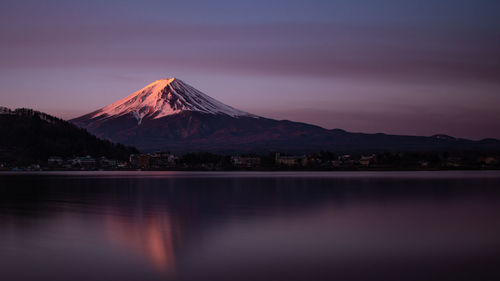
x,y
250,226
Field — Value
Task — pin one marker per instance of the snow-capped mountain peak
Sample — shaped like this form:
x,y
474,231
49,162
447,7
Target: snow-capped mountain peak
x,y
165,97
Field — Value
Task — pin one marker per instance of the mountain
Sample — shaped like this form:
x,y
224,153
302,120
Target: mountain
x,y
163,98
169,114
29,136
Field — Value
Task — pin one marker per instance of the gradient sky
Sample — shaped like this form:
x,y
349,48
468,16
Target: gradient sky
x,y
405,67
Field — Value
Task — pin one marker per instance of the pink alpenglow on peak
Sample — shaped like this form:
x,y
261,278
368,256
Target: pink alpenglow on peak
x,y
166,97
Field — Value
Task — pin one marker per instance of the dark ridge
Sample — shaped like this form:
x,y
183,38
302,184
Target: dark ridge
x,y
29,136
190,131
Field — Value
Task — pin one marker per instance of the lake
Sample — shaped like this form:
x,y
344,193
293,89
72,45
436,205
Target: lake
x,y
250,226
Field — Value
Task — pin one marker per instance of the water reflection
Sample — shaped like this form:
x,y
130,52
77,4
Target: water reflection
x,y
149,237
249,227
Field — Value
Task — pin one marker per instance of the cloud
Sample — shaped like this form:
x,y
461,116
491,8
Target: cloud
x,y
322,50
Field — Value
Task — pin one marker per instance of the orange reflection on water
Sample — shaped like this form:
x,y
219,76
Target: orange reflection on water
x,y
150,237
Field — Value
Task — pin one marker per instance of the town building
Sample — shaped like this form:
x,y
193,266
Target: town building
x,y
245,162
290,160
162,159
141,161
55,161
367,160
104,162
86,162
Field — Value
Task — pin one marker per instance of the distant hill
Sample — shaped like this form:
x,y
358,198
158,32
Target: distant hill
x,y
169,114
29,136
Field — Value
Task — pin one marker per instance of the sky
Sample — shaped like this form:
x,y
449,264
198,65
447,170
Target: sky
x,y
402,67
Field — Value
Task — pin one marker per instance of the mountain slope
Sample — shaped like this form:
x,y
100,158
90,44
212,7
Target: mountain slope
x,y
162,98
29,136
171,115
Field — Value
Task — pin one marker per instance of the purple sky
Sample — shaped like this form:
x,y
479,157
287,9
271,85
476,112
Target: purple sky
x,y
405,67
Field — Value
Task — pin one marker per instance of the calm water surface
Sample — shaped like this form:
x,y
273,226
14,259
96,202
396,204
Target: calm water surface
x,y
250,226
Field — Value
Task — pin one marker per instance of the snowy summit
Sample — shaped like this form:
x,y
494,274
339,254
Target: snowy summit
x,y
166,97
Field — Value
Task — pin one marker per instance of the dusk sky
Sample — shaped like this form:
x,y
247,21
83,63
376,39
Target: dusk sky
x,y
403,67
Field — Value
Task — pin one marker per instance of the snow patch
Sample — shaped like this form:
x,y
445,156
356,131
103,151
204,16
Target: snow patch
x,y
137,116
166,97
